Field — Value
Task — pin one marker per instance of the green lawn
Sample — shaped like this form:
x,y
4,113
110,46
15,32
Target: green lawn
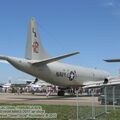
x,y
66,112
113,115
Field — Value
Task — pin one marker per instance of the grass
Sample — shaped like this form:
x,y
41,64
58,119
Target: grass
x,y
66,112
113,115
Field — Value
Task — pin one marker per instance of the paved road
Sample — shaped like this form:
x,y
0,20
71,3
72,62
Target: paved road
x,y
9,98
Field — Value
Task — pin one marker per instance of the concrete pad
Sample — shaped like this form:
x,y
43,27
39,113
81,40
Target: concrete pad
x,y
9,98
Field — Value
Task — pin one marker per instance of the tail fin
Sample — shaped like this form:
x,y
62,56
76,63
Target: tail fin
x,y
34,49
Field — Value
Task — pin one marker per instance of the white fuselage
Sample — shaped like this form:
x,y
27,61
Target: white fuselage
x,y
59,73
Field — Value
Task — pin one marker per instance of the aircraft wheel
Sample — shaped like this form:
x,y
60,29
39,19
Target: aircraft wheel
x,y
61,93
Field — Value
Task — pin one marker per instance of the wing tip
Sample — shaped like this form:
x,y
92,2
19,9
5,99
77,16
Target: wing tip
x,y
106,60
77,52
112,60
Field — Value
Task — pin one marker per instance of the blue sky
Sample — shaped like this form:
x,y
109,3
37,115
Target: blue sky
x,y
89,26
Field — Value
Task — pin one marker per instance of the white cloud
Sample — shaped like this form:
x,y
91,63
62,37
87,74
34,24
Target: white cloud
x,y
110,4
113,6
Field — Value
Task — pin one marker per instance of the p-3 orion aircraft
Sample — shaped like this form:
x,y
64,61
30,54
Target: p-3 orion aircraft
x,y
41,65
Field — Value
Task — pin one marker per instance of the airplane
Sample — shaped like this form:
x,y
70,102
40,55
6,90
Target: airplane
x,y
6,85
39,85
41,65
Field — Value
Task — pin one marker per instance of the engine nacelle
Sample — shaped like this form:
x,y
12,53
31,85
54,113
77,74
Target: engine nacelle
x,y
105,81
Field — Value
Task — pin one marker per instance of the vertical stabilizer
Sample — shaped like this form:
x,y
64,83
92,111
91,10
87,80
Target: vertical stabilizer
x,y
34,49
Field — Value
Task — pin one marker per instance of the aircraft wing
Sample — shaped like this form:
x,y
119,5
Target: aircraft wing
x,y
50,60
114,81
112,60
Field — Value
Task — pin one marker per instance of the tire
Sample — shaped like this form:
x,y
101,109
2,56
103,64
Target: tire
x,y
61,93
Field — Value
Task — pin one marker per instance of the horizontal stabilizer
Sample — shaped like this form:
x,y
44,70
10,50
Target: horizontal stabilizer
x,y
3,61
2,57
112,60
50,60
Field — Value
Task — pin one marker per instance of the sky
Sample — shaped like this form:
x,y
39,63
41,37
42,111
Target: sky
x,y
91,27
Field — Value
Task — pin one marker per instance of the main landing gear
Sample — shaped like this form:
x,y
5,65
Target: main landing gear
x,y
61,93
36,80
